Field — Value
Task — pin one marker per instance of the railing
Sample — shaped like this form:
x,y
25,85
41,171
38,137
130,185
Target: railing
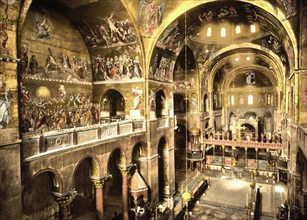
x,y
218,112
35,144
162,122
206,115
248,144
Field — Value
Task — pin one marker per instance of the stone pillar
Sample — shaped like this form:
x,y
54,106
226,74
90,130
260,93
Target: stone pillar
x,y
234,161
211,111
246,159
63,200
125,171
223,151
98,183
256,158
213,146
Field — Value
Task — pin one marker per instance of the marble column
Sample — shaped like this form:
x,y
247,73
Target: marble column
x,y
256,158
246,159
223,151
233,155
63,200
213,151
125,171
98,183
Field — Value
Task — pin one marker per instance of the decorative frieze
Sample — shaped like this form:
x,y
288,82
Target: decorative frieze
x,y
87,135
58,141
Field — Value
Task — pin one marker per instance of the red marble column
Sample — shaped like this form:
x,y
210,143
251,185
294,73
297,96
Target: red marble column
x,y
99,198
125,172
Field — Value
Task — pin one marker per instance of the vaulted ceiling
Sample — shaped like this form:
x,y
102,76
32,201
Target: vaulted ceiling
x,y
220,34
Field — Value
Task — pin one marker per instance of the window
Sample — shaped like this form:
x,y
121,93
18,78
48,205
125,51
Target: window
x,y
209,32
232,100
223,32
269,99
238,29
250,100
253,28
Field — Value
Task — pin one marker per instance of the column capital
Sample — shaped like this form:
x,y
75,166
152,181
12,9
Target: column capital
x,y
99,181
64,198
124,169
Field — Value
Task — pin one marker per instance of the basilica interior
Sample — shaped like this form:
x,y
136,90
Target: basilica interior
x,y
153,109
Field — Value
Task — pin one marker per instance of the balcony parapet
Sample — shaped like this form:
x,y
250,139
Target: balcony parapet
x,y
163,122
248,144
35,144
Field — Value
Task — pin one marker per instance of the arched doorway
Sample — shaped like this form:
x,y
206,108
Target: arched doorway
x,y
161,110
37,199
179,103
112,105
113,187
84,202
268,123
232,122
163,169
137,155
180,146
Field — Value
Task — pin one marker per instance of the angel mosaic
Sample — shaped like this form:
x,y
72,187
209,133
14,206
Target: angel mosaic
x,y
43,26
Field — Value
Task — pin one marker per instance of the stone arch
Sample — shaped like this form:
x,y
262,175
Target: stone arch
x,y
95,164
37,199
138,155
179,103
275,13
86,169
112,105
267,122
161,104
232,121
267,55
249,115
113,187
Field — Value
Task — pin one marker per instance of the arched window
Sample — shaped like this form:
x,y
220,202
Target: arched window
x,y
269,99
238,29
253,28
209,32
232,100
223,32
250,100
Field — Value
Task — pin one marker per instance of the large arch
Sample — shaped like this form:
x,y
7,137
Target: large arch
x,y
112,105
38,201
275,13
84,202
